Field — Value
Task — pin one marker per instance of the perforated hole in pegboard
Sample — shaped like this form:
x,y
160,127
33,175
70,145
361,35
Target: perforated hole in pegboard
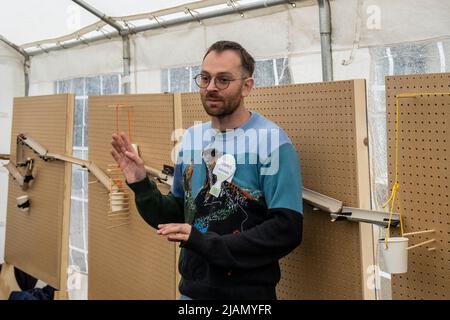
x,y
320,120
131,261
424,154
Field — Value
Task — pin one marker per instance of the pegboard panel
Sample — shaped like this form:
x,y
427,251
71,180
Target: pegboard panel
x,y
37,240
325,121
424,157
192,109
131,261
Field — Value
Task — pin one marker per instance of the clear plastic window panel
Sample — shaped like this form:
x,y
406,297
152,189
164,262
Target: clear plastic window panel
x,y
267,73
83,88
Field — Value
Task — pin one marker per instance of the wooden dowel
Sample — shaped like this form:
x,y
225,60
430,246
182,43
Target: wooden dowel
x,y
118,214
124,210
120,225
118,219
418,232
421,244
120,196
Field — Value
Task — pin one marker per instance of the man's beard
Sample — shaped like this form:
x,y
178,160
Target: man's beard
x,y
227,105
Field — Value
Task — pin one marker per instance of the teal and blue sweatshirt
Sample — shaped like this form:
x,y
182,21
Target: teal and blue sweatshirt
x,y
237,237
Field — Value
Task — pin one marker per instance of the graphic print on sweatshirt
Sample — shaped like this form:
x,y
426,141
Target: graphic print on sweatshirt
x,y
260,181
231,212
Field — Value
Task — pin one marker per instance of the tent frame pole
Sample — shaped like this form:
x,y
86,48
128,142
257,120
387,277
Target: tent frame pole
x,y
26,62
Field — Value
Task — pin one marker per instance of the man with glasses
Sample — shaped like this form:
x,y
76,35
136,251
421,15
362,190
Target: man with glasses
x,y
235,205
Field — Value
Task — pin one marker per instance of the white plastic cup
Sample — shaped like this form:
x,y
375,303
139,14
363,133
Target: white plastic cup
x,y
395,255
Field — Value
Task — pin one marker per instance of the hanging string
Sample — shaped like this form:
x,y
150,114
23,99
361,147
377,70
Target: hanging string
x,y
395,195
117,119
129,119
118,181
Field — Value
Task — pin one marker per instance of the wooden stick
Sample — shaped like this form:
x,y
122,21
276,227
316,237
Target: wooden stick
x,y
421,244
418,232
120,225
119,211
118,219
118,214
120,105
122,208
119,197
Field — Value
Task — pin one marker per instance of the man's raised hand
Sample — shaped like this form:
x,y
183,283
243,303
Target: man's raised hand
x,y
127,158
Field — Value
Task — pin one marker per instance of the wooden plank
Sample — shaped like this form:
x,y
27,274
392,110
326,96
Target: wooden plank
x,y
423,171
37,240
64,249
363,174
178,124
129,261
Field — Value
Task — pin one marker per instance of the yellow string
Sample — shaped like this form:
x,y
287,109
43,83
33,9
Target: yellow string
x,y
395,195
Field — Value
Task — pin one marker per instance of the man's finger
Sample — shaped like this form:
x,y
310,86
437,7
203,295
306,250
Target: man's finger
x,y
116,145
175,228
116,139
177,237
126,143
116,155
134,157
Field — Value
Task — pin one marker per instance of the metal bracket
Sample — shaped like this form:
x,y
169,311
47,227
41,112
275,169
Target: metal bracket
x,y
339,212
292,3
160,23
235,6
194,14
80,38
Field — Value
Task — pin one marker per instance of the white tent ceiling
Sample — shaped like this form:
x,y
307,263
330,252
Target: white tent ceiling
x,y
55,18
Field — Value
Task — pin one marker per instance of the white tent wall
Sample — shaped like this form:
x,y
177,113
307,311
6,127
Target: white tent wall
x,y
185,45
100,58
267,33
11,85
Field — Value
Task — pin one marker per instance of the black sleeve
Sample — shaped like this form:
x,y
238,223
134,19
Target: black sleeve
x,y
154,207
264,244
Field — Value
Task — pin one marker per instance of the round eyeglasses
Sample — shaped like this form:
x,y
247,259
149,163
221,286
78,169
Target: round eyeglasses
x,y
221,82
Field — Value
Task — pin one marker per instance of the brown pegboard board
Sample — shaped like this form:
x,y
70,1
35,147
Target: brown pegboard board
x,y
424,157
37,241
327,124
131,261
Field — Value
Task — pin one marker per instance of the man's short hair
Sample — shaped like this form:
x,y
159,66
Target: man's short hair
x,y
247,61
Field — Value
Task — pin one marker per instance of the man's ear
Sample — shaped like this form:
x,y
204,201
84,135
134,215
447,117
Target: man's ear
x,y
247,87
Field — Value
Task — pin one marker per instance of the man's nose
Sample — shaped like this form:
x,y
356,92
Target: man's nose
x,y
211,85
